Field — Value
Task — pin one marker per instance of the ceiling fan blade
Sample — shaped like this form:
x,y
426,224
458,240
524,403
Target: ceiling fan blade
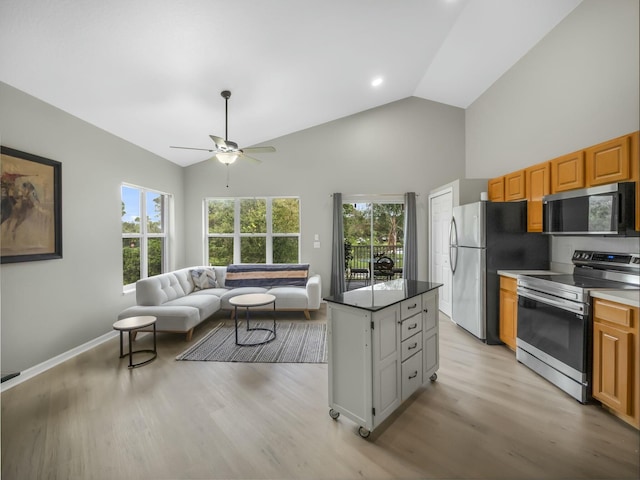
x,y
220,142
194,148
251,159
259,149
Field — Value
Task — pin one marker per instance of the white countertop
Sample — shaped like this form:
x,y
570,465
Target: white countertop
x,y
515,273
626,297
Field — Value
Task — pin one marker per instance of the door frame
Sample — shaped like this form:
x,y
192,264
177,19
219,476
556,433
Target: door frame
x,y
432,196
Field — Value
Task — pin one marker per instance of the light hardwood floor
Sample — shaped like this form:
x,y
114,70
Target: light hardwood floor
x,y
487,416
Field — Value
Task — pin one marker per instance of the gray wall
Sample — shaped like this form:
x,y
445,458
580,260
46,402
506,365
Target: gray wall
x,y
49,307
579,86
408,145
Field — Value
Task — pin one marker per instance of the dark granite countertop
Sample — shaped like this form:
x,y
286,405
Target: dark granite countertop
x,y
382,295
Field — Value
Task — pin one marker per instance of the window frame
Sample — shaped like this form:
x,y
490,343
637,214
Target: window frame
x,y
237,235
143,236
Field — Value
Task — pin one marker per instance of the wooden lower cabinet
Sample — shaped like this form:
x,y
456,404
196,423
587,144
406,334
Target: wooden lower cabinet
x,y
508,311
616,369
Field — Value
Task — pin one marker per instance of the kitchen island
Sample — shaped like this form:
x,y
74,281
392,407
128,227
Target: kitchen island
x,y
383,346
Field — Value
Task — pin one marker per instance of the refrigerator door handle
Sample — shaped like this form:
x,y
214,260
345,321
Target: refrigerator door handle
x,y
453,244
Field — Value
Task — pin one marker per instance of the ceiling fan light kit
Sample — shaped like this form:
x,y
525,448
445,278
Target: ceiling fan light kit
x,y
226,151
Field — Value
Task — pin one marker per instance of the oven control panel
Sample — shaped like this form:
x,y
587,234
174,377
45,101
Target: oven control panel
x,y
626,261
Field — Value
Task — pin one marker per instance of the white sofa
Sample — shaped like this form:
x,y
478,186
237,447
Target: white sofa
x,y
173,298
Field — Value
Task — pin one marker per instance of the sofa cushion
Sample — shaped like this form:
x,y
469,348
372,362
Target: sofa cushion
x,y
263,275
162,288
203,278
290,298
207,305
170,318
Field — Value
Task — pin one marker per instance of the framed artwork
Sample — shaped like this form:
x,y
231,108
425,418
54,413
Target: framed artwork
x,y
31,208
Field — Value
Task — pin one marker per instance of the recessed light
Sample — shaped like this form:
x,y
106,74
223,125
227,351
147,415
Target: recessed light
x,y
376,82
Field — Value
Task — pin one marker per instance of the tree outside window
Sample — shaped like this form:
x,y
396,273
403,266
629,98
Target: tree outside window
x,y
253,230
144,243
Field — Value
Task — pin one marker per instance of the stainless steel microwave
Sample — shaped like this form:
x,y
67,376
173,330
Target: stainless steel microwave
x,y
604,210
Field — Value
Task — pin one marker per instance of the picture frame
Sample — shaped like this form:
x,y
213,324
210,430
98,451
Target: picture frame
x,y
31,209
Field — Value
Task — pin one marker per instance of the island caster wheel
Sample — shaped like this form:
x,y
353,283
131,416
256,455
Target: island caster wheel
x,y
333,414
433,377
363,432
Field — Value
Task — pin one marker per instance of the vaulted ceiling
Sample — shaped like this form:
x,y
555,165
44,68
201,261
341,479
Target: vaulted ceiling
x,y
151,71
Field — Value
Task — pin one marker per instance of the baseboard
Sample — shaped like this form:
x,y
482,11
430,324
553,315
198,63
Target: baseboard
x,y
57,360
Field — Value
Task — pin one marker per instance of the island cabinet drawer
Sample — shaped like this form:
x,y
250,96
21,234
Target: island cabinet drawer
x,y
411,346
411,375
410,327
409,308
604,310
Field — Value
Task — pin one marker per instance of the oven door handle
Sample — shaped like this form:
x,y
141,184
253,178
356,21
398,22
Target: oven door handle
x,y
551,300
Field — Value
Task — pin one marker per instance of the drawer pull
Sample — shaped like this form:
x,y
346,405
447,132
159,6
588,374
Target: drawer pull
x,y
415,374
411,327
413,346
412,307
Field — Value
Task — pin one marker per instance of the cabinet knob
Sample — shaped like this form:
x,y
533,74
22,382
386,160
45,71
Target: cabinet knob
x,y
426,310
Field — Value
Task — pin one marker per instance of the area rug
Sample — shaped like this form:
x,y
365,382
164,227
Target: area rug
x,y
295,342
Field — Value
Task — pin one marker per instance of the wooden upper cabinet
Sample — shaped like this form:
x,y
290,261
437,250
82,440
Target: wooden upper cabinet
x,y
567,172
635,171
609,162
515,186
495,187
538,184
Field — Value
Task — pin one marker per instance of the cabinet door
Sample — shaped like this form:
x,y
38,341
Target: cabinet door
x,y
567,172
430,354
611,369
609,162
495,187
430,334
538,184
386,363
508,318
515,186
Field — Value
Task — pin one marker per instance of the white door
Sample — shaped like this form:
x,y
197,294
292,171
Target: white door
x,y
441,210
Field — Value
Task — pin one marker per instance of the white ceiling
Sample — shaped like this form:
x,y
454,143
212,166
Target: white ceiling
x,y
151,71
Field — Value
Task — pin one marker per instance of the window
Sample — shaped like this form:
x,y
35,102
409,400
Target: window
x,y
144,242
373,234
252,230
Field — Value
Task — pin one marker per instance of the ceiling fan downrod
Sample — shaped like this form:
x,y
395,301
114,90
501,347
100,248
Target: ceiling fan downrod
x,y
226,94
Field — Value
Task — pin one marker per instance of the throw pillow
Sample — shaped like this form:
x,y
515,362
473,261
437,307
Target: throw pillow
x,y
203,278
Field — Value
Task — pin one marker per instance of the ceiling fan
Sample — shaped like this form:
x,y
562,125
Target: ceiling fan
x,y
226,151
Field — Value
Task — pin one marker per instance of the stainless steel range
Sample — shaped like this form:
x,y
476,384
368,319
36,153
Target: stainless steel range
x,y
554,335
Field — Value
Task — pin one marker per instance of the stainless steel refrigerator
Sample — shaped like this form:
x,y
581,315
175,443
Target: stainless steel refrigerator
x,y
486,237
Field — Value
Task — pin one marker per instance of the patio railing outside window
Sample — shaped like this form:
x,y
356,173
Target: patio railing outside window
x,y
358,272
